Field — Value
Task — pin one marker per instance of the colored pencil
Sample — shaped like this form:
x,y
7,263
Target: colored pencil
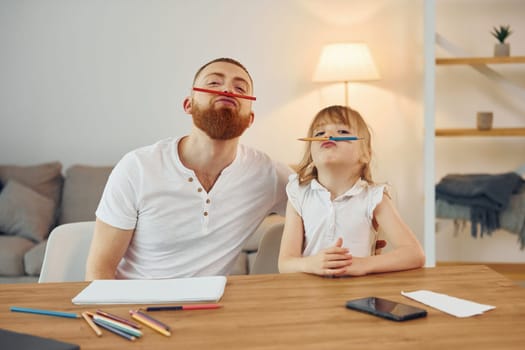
x,y
91,324
145,321
44,312
153,320
331,138
229,94
116,331
120,326
119,319
184,307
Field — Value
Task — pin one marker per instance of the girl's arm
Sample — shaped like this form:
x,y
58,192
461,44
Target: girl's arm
x,y
330,261
407,253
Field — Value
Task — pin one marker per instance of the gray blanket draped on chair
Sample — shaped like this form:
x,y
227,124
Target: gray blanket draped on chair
x,y
486,196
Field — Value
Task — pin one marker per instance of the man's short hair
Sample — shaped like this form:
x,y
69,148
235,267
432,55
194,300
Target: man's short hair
x,y
223,59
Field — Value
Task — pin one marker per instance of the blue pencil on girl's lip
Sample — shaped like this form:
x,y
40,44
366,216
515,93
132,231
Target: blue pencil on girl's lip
x,y
343,138
331,138
44,312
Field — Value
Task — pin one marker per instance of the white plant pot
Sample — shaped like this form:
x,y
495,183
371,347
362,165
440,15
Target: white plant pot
x,y
501,50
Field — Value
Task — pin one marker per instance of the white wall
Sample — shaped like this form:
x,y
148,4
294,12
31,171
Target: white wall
x,y
87,81
461,92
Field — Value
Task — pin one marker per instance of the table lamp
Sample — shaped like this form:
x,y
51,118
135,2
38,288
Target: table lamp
x,y
346,62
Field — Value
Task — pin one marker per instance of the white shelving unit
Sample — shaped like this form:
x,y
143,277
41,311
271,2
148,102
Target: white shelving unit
x,y
431,132
429,238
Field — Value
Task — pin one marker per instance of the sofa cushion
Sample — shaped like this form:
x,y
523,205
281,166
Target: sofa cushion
x,y
45,179
34,258
24,212
83,187
12,251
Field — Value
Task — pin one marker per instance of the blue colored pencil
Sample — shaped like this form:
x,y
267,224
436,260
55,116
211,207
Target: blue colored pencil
x,y
44,312
344,138
114,330
120,326
331,138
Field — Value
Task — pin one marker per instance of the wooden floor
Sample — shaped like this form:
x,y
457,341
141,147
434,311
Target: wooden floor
x,y
515,272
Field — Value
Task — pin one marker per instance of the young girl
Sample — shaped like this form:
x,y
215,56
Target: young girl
x,y
335,209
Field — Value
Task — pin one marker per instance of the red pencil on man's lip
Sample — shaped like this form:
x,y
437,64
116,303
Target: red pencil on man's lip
x,y
183,307
253,98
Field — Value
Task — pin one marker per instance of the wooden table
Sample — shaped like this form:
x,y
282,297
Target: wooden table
x,y
297,311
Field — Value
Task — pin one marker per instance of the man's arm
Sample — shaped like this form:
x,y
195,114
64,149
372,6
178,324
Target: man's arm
x,y
107,249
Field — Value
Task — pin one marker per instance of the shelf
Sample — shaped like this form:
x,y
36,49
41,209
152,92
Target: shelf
x,y
480,60
476,132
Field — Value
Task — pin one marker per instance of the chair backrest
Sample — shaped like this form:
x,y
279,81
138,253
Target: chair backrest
x,y
267,256
66,252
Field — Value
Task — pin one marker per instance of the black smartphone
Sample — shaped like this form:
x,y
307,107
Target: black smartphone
x,y
386,308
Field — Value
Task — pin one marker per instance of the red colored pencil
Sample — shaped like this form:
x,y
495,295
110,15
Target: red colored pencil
x,y
119,319
229,94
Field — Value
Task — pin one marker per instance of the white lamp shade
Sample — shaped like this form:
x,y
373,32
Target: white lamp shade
x,y
346,62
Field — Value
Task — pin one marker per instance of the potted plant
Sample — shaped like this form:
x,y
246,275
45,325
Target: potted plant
x,y
501,33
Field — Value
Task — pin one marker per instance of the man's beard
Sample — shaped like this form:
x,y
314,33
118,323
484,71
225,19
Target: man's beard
x,y
220,124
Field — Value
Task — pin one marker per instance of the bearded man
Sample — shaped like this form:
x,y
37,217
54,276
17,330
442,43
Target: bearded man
x,y
184,207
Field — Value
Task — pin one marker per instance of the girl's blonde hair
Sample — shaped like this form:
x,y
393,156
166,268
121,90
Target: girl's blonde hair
x,y
338,115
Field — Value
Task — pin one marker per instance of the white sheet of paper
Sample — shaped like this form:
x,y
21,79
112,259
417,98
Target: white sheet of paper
x,y
451,305
195,289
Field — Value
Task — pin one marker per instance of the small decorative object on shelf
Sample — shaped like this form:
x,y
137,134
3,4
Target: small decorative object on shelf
x,y
501,33
484,120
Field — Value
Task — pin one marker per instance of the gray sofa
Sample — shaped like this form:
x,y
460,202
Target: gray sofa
x,y
35,199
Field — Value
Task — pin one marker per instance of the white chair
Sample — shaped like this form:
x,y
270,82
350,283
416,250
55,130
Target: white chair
x,y
267,257
66,252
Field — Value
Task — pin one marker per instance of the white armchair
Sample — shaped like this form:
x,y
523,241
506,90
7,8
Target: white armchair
x,y
66,252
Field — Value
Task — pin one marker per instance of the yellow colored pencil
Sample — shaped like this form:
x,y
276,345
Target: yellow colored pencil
x,y
150,324
313,139
91,324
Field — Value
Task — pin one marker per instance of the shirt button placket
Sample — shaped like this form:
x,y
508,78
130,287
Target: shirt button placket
x,y
206,209
206,214
331,224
